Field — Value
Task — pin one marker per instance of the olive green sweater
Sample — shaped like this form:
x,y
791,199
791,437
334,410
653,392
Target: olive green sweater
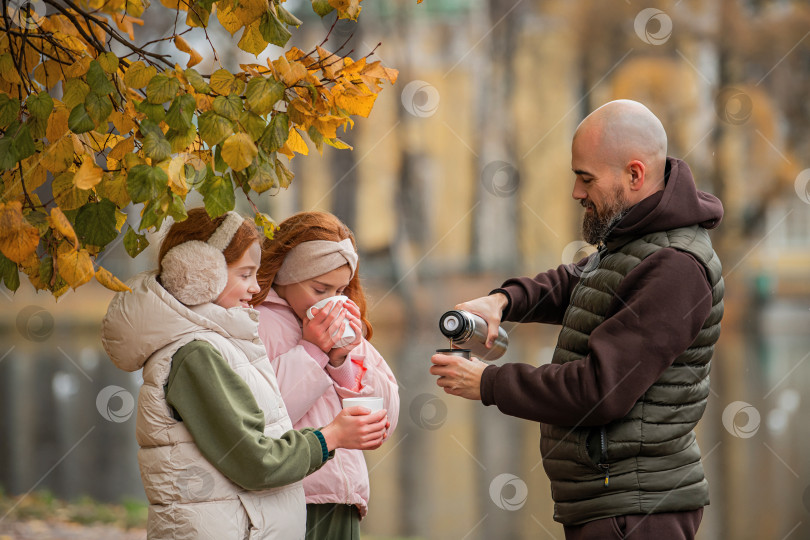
x,y
222,415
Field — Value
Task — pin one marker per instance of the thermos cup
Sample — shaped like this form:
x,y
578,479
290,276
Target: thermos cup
x,y
469,331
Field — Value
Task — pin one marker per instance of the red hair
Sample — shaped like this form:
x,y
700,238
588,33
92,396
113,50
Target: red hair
x,y
305,227
199,226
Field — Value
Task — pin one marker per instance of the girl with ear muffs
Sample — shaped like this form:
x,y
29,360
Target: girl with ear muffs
x,y
218,455
319,361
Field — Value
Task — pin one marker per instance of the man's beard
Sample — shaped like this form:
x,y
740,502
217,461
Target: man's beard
x,y
597,225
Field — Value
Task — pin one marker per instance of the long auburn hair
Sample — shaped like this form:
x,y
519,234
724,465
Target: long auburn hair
x,y
305,227
199,226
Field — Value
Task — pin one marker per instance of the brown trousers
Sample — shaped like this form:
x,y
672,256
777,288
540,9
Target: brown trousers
x,y
664,526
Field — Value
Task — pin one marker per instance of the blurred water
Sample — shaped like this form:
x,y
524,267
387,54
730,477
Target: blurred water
x,y
453,469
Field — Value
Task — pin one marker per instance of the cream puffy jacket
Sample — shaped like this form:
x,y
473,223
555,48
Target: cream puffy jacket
x,y
188,497
312,391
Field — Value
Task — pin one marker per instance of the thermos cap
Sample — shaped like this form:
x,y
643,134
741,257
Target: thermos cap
x,y
451,324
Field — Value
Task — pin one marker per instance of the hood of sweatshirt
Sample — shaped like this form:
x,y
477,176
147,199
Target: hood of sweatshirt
x,y
141,322
679,204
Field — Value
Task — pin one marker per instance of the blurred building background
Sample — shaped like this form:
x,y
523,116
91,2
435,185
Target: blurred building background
x,y
461,178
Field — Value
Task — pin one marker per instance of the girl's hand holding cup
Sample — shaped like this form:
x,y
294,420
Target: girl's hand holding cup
x,y
356,428
352,315
325,328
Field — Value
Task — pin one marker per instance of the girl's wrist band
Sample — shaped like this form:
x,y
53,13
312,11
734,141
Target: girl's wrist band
x,y
324,449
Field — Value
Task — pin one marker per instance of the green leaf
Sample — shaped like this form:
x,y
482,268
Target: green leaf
x,y
134,243
181,139
98,81
155,112
156,147
37,126
316,137
8,157
263,178
75,90
162,88
229,107
196,81
39,105
145,182
177,208
262,94
9,273
322,7
149,126
213,128
253,124
108,62
181,112
286,17
218,195
9,110
66,194
95,223
153,213
98,108
79,120
276,133
24,143
285,175
273,30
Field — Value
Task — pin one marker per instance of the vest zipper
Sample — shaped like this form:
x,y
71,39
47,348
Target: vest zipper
x,y
603,464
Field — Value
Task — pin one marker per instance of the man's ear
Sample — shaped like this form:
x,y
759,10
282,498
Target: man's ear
x,y
637,171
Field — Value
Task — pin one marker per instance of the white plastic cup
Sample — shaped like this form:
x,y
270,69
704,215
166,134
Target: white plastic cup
x,y
373,403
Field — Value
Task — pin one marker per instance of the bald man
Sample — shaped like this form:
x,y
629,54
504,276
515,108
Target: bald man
x,y
629,377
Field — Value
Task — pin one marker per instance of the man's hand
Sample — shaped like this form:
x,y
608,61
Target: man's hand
x,y
457,375
489,308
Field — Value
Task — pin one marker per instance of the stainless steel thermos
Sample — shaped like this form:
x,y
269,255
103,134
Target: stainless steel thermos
x,y
469,331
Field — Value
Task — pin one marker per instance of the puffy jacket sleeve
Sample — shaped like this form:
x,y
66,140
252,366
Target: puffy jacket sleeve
x,y
365,373
227,425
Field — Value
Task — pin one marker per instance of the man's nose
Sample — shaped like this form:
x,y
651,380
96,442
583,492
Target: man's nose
x,y
578,193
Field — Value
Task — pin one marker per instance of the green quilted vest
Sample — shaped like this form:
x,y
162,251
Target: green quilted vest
x,y
648,461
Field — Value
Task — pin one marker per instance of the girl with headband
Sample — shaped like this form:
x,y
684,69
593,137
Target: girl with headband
x,y
313,257
219,457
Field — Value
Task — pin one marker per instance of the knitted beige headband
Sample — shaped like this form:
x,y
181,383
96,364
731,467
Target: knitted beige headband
x,y
315,258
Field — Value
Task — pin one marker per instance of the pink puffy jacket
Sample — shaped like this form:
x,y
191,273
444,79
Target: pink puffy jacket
x,y
312,391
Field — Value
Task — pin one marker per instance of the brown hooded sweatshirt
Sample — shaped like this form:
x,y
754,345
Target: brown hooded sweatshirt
x,y
659,308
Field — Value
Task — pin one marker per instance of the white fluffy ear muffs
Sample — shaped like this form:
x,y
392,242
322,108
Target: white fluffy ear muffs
x,y
195,272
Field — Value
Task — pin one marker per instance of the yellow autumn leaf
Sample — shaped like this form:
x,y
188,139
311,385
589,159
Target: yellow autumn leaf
x,y
228,18
330,63
327,125
124,23
61,224
296,143
106,278
225,83
57,124
183,45
122,148
48,73
18,238
88,175
238,151
358,105
252,40
138,74
58,156
289,72
122,122
76,267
